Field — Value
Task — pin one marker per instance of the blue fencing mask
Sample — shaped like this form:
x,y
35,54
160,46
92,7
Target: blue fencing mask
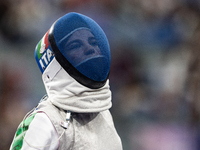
x,y
80,46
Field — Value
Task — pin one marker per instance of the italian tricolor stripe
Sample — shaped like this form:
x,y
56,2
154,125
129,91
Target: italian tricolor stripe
x,y
42,45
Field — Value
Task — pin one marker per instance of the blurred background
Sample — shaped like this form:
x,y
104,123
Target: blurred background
x,y
155,72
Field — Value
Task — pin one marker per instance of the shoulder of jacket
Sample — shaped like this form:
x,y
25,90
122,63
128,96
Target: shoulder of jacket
x,y
61,120
34,126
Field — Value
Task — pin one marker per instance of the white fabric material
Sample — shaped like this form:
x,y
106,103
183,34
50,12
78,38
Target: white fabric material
x,y
86,131
66,93
41,134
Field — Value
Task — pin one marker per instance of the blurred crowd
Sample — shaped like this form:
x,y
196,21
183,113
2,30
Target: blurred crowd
x,y
155,71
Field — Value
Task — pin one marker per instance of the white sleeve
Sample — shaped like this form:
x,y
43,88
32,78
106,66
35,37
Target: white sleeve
x,y
41,134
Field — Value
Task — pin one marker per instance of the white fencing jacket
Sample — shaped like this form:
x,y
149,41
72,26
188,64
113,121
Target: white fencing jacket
x,y
50,127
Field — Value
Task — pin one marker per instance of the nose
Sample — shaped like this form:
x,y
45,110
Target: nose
x,y
89,49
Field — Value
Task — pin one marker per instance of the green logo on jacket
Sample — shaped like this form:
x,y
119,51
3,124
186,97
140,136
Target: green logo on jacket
x,y
20,133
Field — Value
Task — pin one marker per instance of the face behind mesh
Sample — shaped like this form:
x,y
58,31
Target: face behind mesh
x,y
82,44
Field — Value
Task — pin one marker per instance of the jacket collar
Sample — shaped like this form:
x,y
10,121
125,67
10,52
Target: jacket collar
x,y
66,93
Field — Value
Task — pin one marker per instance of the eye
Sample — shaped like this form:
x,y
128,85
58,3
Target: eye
x,y
92,41
73,45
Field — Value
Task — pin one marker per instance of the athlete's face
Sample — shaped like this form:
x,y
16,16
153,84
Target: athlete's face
x,y
81,46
